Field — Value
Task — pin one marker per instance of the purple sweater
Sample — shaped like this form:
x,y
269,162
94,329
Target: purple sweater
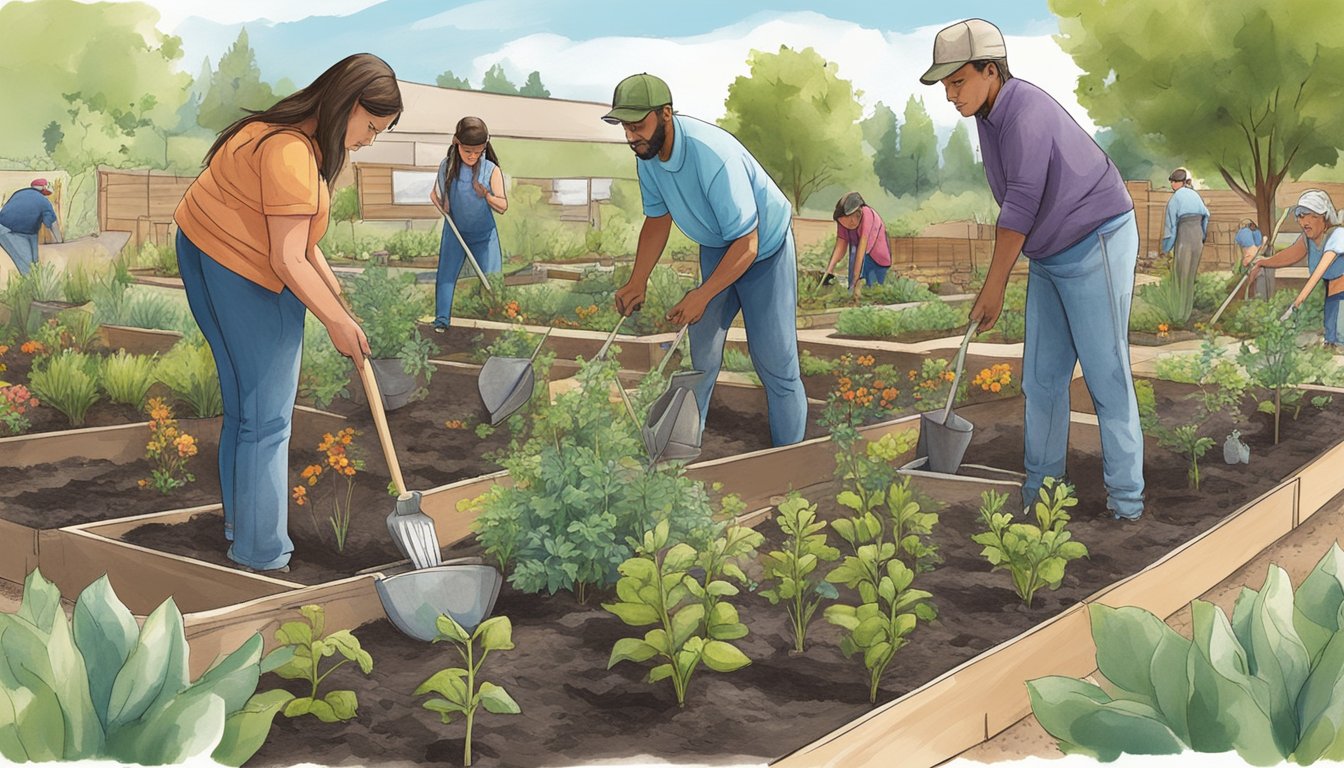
x,y
1051,180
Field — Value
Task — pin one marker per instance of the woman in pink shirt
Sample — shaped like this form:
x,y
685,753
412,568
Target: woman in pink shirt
x,y
860,230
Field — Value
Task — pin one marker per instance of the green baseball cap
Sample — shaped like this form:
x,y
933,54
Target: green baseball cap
x,y
637,96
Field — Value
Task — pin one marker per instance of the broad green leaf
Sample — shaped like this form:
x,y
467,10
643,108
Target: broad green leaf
x,y
348,646
658,639
309,706
631,649
842,616
496,634
721,589
11,744
41,686
1227,706
105,632
870,630
449,628
277,659
298,707
877,655
1144,657
498,701
679,558
1321,706
1242,612
633,614
1317,601
344,704
1085,720
246,729
641,570
660,672
723,657
156,670
41,601
316,617
234,677
685,623
1280,657
446,709
188,726
826,590
296,633
448,683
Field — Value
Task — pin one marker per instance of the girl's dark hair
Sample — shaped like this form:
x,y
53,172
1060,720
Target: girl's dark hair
x,y
362,79
471,131
848,204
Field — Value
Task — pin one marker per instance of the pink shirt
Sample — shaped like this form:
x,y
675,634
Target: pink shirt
x,y
870,226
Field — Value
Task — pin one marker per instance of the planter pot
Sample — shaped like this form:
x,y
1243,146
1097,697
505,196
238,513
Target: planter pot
x,y
138,341
397,387
49,309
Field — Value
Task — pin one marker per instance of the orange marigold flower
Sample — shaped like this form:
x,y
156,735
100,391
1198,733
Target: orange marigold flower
x,y
143,483
300,495
995,387
913,375
4,348
849,395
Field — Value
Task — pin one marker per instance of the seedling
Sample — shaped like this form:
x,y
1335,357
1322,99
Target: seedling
x,y
456,687
305,646
798,583
889,610
1186,441
1035,555
1278,363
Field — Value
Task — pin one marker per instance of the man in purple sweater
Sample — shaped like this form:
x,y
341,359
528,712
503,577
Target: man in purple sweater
x,y
1063,204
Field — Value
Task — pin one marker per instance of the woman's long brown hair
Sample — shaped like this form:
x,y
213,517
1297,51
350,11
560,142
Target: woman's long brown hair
x,y
470,131
362,79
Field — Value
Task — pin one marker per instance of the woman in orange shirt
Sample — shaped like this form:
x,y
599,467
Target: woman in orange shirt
x,y
247,247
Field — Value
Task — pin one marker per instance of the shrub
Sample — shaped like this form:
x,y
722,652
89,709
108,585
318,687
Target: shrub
x,y
189,371
82,331
1034,554
324,373
408,244
811,365
1279,364
102,688
168,450
18,296
456,687
1211,288
67,382
303,646
126,378
1264,683
874,322
145,309
898,290
792,571
388,306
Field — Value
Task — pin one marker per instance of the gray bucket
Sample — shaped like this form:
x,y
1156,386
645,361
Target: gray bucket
x,y
671,430
396,385
414,601
505,384
944,444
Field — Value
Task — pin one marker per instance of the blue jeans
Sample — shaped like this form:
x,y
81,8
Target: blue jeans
x,y
256,337
1077,311
1332,318
767,296
452,259
869,272
20,247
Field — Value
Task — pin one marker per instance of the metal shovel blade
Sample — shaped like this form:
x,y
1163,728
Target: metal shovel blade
x,y
505,384
413,532
943,442
415,600
671,430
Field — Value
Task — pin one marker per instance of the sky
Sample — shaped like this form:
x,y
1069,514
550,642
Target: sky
x,y
582,48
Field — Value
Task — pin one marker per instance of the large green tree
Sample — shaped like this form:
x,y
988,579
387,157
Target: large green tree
x,y
495,81
448,80
1248,90
799,118
235,86
961,171
917,155
880,132
533,87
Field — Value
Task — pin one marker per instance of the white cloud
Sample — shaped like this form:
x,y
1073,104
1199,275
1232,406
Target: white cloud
x,y
885,66
174,12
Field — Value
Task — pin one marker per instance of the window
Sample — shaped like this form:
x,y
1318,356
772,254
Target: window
x,y
575,191
412,187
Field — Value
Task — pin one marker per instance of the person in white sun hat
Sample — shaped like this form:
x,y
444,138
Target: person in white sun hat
x,y
1322,242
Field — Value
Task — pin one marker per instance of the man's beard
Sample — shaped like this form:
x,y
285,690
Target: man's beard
x,y
655,143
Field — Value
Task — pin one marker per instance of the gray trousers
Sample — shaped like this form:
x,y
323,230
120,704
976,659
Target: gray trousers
x,y
1188,249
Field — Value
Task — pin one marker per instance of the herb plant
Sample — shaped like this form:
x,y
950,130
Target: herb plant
x,y
126,378
67,382
793,572
324,373
388,306
656,589
189,371
456,687
303,646
874,322
1034,554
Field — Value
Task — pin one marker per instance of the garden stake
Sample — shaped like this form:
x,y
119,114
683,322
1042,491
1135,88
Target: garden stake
x,y
412,530
470,257
1246,276
944,436
506,383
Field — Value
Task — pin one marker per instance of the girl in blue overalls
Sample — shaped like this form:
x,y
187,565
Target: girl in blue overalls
x,y
475,193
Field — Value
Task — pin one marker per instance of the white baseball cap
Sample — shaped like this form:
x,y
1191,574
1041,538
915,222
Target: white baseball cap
x,y
963,42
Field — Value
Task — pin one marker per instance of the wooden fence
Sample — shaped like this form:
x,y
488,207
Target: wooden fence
x,y
140,202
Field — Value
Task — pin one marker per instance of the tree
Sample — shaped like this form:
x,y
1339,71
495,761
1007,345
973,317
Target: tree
x,y
800,120
533,87
961,171
449,80
1242,91
880,131
345,206
917,154
236,86
1135,154
495,81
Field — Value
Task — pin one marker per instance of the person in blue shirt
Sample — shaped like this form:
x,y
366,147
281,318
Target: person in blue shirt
x,y
1186,228
22,217
1249,238
1322,242
474,186
701,178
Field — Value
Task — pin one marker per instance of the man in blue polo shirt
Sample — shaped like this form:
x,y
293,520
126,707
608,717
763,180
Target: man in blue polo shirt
x,y
701,177
21,218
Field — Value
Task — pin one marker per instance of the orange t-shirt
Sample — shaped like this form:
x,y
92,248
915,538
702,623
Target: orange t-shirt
x,y
224,211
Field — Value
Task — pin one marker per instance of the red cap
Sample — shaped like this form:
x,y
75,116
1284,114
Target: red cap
x,y
41,185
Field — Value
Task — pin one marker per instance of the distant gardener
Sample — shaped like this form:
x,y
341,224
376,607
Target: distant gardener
x,y
1063,204
701,177
1186,227
860,230
22,217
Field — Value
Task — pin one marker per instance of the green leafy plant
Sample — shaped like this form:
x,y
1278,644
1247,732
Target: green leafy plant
x,y
1186,441
388,306
793,571
1264,683
68,382
875,322
80,328
408,244
168,450
324,373
892,514
100,687
811,365
15,402
1034,554
456,688
189,371
46,282
656,588
1321,402
302,647
18,296
1278,363
77,283
126,378
345,206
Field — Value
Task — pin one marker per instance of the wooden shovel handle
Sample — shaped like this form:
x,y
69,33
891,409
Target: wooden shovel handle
x,y
375,398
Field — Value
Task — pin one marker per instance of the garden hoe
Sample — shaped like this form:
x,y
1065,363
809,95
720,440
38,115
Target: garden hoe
x,y
943,435
471,258
412,530
506,383
1246,276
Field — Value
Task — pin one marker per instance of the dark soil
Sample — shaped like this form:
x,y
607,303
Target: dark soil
x,y
575,711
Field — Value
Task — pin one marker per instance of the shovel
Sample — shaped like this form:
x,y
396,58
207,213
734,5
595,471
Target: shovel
x,y
506,383
671,429
943,435
471,258
412,530
1247,276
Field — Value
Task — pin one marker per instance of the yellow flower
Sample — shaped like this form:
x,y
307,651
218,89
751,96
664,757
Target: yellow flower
x,y
300,495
